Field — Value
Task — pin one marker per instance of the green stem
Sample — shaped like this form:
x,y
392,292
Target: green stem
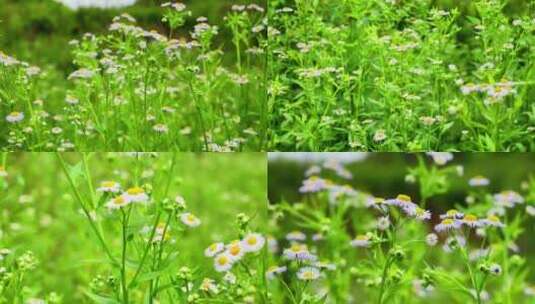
x,y
123,258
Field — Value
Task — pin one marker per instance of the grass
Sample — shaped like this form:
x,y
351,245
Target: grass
x,y
138,90
401,76
63,240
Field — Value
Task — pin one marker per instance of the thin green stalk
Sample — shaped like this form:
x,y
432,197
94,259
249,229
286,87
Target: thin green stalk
x,y
123,256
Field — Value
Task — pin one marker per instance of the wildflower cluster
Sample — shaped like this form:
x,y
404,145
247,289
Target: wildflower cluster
x,y
400,75
399,246
137,89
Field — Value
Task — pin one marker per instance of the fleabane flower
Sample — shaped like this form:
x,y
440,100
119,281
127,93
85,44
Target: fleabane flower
x,y
404,202
15,117
479,181
431,239
223,262
136,195
235,250
508,198
190,220
448,224
298,252
118,202
421,214
452,214
209,285
253,242
361,240
109,186
214,249
441,158
308,273
493,220
275,270
296,236
471,221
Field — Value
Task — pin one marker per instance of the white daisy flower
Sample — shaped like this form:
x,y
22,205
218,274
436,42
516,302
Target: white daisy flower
x,y
452,214
448,224
431,239
160,128
361,241
253,242
404,202
325,265
298,252
136,195
508,198
296,236
109,186
223,262
118,202
56,130
471,221
478,181
15,117
421,214
441,158
493,220
453,243
214,249
308,273
235,250
189,219
274,270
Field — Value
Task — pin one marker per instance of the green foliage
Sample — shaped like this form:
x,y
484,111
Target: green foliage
x,y
401,75
61,237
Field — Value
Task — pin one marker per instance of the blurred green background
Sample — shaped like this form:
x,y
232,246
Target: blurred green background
x,y
38,31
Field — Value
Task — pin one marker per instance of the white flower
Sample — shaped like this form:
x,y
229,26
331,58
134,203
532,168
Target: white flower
x,y
274,270
118,202
298,252
471,221
160,128
109,186
189,219
253,242
454,243
223,262
296,236
136,195
379,136
361,241
15,117
214,249
441,158
493,220
404,202
308,273
448,224
235,250
508,198
421,214
478,181
230,278
56,130
431,239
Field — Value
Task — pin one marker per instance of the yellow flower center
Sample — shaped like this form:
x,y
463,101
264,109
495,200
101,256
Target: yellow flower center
x,y
470,218
234,250
451,212
119,200
252,240
404,198
108,184
447,222
13,114
308,275
222,260
379,200
135,190
191,218
296,248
